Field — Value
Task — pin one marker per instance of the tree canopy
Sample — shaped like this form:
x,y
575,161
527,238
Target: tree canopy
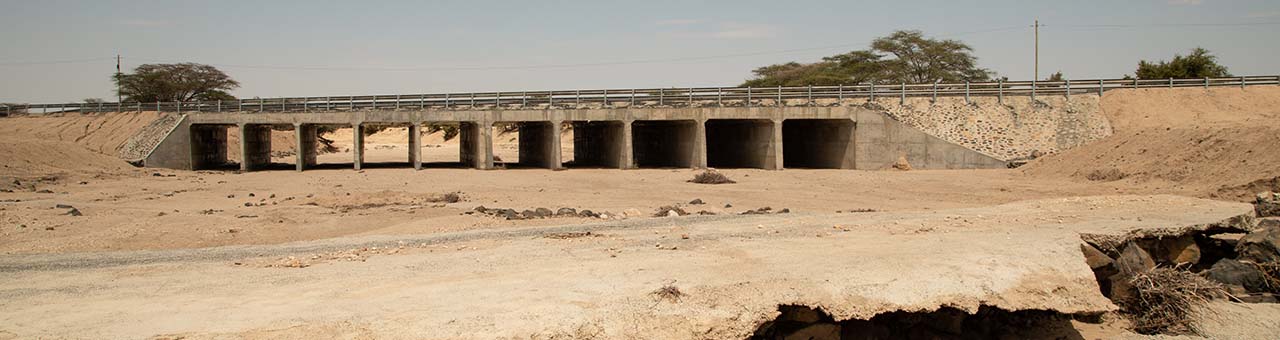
x,y
901,57
175,82
1199,64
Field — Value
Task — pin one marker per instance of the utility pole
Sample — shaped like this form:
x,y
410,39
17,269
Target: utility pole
x,y
1037,57
118,78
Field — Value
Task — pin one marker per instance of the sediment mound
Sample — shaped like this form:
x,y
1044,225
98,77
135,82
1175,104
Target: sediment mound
x,y
105,133
1216,143
34,157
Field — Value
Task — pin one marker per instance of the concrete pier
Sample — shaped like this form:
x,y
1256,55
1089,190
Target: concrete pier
x,y
840,137
306,148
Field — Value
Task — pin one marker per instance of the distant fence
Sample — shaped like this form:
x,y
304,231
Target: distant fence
x,y
659,97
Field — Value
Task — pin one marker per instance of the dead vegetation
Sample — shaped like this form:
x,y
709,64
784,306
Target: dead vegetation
x,y
1167,299
669,292
711,177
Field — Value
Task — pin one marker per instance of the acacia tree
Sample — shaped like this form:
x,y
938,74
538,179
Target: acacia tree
x,y
922,60
1199,64
901,57
175,82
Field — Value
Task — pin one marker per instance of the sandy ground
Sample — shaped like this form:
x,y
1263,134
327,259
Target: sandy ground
x,y
155,251
734,272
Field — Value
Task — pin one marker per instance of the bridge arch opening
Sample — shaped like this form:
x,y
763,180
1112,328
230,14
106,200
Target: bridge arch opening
x,y
527,144
595,144
664,143
818,143
740,143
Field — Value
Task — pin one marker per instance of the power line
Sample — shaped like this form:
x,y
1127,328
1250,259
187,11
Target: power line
x,y
52,62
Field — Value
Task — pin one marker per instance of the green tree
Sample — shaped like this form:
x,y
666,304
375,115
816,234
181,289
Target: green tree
x,y
175,82
922,60
904,56
1056,77
1199,64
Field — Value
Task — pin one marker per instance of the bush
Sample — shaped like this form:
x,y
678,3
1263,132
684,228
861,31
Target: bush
x,y
711,177
1166,299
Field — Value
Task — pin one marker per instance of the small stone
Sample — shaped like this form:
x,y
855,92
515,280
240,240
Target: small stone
x,y
672,213
62,206
48,228
632,213
44,191
231,196
480,209
566,212
251,194
1233,272
1260,246
73,212
543,212
248,204
727,205
784,211
697,201
1094,257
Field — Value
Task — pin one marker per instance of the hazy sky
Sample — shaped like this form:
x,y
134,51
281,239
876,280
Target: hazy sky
x,y
54,51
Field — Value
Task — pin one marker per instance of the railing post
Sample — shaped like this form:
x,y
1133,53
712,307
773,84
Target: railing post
x,y
179,107
284,104
690,97
497,100
873,91
604,98
1206,83
262,105
577,97
446,101
748,96
840,93
1241,82
1101,86
100,106
1068,82
551,98
119,107
633,98
662,96
902,99
397,102
157,106
239,105
473,100
1135,82
524,99
422,102
719,96
935,92
1170,82
1033,90
779,102
810,95
1000,91
966,91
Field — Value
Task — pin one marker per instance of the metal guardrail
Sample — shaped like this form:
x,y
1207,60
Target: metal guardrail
x,y
653,97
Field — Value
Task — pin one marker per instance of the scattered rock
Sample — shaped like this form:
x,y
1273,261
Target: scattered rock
x,y
248,204
48,228
902,164
1233,272
669,211
1267,204
588,213
251,194
543,212
481,209
73,212
760,211
1094,257
696,201
1177,250
44,191
1260,246
727,206
632,213
566,212
62,206
231,196
1134,260
784,211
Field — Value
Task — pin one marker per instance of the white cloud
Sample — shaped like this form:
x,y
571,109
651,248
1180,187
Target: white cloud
x,y
1186,2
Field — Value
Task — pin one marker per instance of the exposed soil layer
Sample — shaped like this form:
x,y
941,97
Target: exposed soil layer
x,y
1217,143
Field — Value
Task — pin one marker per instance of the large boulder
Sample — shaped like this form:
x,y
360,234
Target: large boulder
x,y
1094,257
1235,273
1260,246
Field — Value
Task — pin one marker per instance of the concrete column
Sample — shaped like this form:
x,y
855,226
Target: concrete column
x,y
699,159
486,145
415,145
554,158
357,145
774,160
626,159
255,146
306,145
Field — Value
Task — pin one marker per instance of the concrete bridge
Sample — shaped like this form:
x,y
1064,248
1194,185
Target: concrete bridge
x,y
833,127
829,137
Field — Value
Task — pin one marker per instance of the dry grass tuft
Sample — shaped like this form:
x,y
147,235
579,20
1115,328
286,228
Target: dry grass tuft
x,y
1166,299
669,292
1270,273
711,177
452,197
